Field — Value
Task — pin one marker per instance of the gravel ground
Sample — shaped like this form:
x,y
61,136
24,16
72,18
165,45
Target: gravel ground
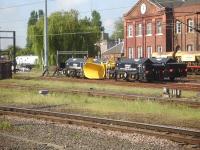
x,y
42,135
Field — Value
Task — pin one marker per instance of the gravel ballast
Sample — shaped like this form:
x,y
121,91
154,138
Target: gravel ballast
x,y
37,134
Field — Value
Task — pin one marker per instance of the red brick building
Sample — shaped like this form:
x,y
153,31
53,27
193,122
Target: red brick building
x,y
161,26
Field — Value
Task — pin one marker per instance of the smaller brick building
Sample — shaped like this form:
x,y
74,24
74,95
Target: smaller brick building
x,y
114,52
161,26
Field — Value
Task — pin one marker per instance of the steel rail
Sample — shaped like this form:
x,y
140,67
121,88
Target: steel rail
x,y
127,96
187,136
188,87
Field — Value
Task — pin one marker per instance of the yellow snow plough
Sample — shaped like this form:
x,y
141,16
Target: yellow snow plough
x,y
96,70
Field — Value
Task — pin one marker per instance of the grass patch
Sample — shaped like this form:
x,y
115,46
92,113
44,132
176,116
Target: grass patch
x,y
101,87
5,125
100,105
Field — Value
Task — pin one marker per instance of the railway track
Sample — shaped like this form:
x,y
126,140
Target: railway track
x,y
184,136
126,96
178,85
185,85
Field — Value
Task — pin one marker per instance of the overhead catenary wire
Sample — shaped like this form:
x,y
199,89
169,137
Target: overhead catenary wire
x,y
167,25
21,5
104,9
81,12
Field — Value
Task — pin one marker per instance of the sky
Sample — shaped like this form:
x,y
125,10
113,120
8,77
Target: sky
x,y
14,14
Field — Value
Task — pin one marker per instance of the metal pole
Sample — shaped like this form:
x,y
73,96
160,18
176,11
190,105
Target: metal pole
x,y
14,51
45,39
0,41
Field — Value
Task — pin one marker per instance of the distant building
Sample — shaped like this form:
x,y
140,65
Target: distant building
x,y
27,60
115,51
161,26
105,43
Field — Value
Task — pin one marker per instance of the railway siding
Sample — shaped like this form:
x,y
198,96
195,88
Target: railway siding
x,y
195,103
187,136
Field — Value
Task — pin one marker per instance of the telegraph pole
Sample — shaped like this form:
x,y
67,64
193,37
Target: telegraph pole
x,y
46,71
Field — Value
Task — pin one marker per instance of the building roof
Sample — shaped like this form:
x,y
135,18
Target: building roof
x,y
167,4
117,49
174,3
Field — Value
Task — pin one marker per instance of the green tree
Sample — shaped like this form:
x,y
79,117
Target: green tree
x,y
10,49
66,33
118,30
33,19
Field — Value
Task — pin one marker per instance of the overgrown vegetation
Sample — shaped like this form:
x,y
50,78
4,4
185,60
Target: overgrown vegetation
x,y
5,125
146,111
67,32
104,87
99,105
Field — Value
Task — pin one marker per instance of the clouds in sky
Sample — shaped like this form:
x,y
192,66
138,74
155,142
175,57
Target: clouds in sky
x,y
109,24
16,18
67,4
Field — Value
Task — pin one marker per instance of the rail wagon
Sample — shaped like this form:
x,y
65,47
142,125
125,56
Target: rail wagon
x,y
134,69
192,59
125,69
145,70
168,68
74,67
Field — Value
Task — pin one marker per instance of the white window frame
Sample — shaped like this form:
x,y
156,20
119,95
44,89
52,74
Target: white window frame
x,y
130,53
149,29
138,30
190,25
190,47
149,51
130,30
140,51
158,28
159,49
178,27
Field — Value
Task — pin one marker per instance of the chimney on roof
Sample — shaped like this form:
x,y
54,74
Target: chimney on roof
x,y
119,40
102,35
